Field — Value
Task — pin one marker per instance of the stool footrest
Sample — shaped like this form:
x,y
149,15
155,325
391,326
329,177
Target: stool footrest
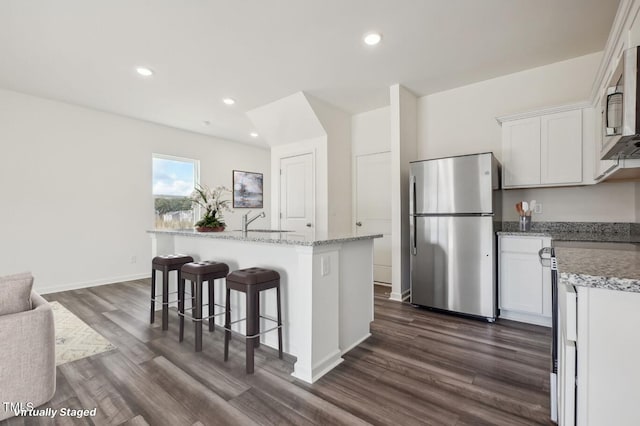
x,y
203,318
200,319
206,304
153,299
254,335
261,316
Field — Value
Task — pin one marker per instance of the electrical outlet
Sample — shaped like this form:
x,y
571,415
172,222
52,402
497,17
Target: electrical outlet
x,y
538,209
325,266
133,259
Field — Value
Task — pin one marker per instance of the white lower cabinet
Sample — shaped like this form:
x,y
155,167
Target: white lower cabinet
x,y
524,284
608,344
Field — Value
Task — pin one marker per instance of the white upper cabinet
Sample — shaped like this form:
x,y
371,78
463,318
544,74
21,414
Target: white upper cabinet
x,y
561,148
521,152
543,148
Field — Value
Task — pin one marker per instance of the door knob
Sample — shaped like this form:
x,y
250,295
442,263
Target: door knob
x,y
308,225
358,223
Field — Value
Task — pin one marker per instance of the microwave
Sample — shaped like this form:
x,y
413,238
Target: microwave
x,y
621,109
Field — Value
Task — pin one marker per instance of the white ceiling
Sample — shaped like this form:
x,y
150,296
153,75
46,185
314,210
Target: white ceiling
x,y
258,51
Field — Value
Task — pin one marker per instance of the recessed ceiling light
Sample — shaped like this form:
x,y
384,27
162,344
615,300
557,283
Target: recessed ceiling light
x,y
229,101
254,134
144,71
372,38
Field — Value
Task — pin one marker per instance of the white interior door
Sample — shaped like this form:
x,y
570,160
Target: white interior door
x,y
373,208
297,195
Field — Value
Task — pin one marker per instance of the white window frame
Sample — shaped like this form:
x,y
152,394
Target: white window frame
x,y
196,175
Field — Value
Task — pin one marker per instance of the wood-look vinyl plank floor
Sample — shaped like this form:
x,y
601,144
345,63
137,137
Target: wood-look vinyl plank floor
x,y
418,368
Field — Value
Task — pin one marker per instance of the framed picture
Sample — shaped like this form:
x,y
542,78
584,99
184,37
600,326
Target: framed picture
x,y
247,190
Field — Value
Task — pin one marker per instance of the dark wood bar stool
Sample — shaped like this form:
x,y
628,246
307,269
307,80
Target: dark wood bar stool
x,y
252,281
165,264
198,273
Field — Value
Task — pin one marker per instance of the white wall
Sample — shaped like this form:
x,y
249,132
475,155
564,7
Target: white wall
x,y
403,124
337,125
299,124
370,132
76,188
604,202
462,121
287,120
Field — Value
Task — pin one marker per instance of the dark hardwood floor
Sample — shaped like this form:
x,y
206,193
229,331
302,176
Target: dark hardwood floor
x,y
417,368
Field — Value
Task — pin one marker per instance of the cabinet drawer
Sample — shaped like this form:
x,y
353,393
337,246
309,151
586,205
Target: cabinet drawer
x,y
521,245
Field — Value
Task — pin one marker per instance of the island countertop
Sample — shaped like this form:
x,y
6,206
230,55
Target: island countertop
x,y
600,268
287,238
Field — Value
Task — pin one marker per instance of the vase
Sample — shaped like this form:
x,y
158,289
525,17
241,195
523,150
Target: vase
x,y
210,228
525,223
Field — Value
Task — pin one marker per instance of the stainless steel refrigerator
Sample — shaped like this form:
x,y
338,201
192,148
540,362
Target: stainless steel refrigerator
x,y
455,207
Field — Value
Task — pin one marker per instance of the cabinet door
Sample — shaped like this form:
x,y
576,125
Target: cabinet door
x,y
561,147
521,152
521,283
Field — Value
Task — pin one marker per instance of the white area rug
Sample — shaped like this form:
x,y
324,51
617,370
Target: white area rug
x,y
74,338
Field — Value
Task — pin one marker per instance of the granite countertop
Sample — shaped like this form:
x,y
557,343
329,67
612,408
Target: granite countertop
x,y
524,234
577,236
613,269
603,232
285,238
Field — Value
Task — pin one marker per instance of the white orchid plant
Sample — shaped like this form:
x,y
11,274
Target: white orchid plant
x,y
212,203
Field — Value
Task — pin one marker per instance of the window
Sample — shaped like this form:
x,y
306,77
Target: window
x,y
173,181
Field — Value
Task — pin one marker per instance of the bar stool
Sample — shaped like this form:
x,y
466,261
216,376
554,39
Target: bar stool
x,y
252,281
165,264
198,273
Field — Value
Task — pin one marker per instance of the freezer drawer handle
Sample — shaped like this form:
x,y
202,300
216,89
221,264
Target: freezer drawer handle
x,y
414,242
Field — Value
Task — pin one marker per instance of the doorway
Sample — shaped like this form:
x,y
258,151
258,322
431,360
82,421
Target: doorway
x,y
297,194
373,208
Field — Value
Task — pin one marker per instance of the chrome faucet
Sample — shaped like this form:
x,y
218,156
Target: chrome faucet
x,y
246,221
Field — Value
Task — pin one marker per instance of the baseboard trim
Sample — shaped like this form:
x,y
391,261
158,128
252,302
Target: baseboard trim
x,y
92,283
356,343
400,297
526,318
396,297
310,374
406,295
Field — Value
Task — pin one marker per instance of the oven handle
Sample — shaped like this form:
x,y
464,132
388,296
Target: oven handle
x,y
545,260
547,257
550,260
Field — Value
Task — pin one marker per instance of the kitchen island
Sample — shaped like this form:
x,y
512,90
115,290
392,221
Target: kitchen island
x,y
326,284
599,306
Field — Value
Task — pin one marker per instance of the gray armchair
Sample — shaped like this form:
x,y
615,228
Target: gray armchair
x,y
27,356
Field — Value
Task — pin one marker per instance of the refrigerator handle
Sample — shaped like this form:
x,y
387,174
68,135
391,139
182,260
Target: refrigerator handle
x,y
412,195
412,212
414,242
